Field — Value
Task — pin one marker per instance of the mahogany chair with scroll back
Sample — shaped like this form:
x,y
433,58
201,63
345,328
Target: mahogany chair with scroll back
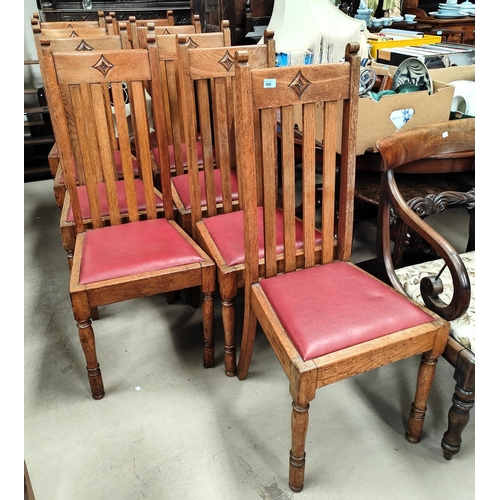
x,y
444,281
325,318
139,252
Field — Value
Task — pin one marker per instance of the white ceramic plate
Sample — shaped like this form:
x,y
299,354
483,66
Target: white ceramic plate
x,y
414,72
449,16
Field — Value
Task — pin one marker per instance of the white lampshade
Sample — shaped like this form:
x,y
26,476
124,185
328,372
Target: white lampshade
x,y
314,32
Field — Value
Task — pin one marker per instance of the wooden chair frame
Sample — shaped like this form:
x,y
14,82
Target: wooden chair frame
x,y
207,100
79,84
309,361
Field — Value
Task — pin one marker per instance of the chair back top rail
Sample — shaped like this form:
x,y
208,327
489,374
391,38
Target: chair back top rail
x,y
73,32
100,22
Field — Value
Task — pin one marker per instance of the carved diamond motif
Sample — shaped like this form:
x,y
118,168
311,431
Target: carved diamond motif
x,y
103,65
227,61
191,44
299,84
84,46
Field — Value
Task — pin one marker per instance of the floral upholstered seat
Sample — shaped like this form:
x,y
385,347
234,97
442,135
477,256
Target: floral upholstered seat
x,y
463,329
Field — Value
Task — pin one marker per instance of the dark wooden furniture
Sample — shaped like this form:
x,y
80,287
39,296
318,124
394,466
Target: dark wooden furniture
x,y
464,26
38,131
429,185
311,311
398,150
112,263
71,10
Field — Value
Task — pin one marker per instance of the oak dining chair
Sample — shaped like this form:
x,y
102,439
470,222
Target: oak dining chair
x,y
120,255
208,195
67,222
325,318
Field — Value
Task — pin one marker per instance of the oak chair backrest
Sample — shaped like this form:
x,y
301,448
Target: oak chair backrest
x,y
266,102
79,45
73,32
170,67
207,98
81,85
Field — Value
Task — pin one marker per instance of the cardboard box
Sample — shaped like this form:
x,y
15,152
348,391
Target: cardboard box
x,y
454,73
374,118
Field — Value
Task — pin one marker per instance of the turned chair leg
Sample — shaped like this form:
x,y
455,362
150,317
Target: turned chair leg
x,y
228,316
228,292
247,342
425,377
82,314
87,340
296,469
463,402
458,418
207,311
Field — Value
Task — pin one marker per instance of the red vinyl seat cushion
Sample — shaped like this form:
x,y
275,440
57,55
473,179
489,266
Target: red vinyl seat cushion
x,y
227,232
133,248
181,184
122,199
330,307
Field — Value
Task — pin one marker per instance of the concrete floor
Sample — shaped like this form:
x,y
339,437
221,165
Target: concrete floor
x,y
170,429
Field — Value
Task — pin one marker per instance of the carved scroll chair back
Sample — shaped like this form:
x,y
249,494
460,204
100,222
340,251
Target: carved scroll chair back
x,y
429,185
325,318
120,255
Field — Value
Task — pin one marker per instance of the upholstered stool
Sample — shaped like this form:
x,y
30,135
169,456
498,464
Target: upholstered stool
x,y
461,347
